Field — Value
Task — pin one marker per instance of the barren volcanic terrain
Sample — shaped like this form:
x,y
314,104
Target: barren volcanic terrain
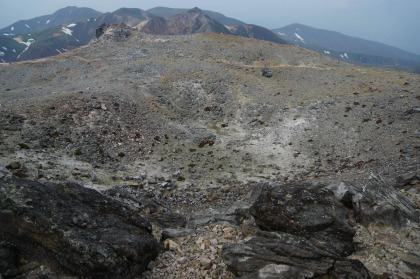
x,y
192,121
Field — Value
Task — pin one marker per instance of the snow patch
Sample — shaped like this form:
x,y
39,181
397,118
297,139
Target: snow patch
x,y
67,31
28,44
64,49
14,50
94,20
344,55
71,25
48,21
27,26
88,19
299,37
327,52
4,48
2,53
12,28
3,62
281,34
58,51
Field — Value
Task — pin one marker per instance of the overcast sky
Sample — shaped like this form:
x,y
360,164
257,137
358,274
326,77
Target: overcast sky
x,y
394,22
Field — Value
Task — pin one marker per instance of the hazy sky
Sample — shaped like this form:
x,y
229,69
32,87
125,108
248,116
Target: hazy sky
x,y
394,22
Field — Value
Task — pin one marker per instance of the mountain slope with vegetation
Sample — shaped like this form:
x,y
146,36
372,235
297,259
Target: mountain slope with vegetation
x,y
65,37
63,16
345,47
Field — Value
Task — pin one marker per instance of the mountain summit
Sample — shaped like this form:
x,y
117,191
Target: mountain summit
x,y
198,21
227,21
190,22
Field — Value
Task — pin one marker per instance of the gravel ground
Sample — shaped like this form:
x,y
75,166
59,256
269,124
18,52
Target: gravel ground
x,y
191,120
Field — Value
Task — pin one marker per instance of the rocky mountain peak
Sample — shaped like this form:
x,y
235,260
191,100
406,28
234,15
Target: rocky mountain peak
x,y
195,10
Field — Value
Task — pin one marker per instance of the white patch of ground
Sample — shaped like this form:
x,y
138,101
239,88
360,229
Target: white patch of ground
x,y
299,37
67,31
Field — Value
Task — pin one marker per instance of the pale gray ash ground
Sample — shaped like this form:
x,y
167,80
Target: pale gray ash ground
x,y
190,123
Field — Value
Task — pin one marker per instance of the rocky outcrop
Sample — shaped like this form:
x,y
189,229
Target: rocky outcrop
x,y
305,210
376,201
73,230
306,234
115,32
266,72
299,257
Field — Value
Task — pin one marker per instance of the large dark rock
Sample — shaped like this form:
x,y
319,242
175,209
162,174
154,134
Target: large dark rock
x,y
74,230
266,72
406,179
376,201
115,32
296,255
306,210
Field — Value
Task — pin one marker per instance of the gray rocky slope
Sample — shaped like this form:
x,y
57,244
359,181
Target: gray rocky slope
x,y
191,122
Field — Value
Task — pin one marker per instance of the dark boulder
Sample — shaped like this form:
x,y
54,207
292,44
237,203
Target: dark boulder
x,y
74,230
407,179
306,210
266,72
297,255
376,201
114,32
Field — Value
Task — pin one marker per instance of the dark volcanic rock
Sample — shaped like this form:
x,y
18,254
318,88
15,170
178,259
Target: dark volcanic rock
x,y
74,230
295,253
406,179
310,236
375,201
116,32
311,211
266,72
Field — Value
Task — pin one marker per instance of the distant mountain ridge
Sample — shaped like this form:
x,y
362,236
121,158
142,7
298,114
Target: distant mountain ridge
x,y
64,37
73,27
164,11
72,34
38,24
197,21
346,47
189,22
